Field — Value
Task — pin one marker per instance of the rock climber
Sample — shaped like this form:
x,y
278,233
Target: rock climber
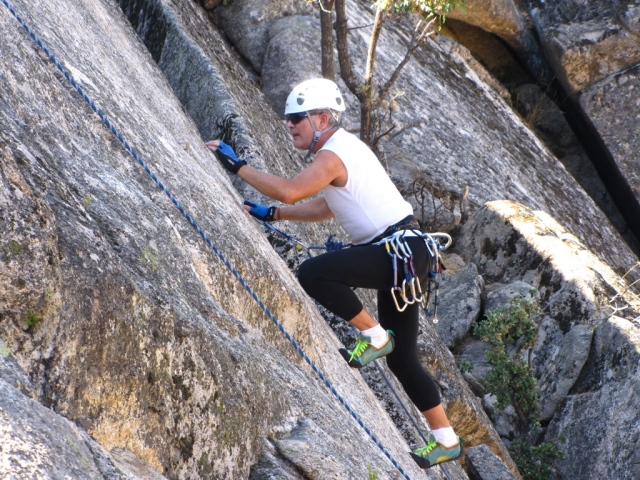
x,y
356,190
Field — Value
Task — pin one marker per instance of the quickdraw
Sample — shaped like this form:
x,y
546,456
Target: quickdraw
x,y
409,291
330,245
396,288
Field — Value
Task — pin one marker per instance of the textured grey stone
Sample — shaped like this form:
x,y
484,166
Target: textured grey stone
x,y
145,340
606,396
594,48
510,242
457,132
247,23
12,374
459,304
562,370
285,67
474,353
615,441
550,124
587,41
483,464
614,355
508,21
505,421
38,443
501,295
613,105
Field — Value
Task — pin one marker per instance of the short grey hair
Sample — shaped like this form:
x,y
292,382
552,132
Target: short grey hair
x,y
335,117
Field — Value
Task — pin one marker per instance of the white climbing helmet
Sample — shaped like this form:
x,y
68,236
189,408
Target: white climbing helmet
x,y
315,94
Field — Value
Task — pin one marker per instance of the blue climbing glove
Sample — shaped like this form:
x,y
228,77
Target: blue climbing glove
x,y
261,212
229,159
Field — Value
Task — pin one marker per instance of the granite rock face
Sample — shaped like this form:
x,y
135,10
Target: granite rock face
x,y
613,105
594,48
459,305
454,131
484,465
129,326
588,41
39,443
607,393
585,354
126,323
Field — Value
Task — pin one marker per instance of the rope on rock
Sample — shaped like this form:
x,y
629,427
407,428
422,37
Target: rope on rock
x,y
204,236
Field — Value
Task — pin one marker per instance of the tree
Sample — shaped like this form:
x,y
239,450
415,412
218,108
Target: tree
x,y
376,102
512,330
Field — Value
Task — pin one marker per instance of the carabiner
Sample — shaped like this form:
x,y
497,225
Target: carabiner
x,y
395,300
419,290
404,294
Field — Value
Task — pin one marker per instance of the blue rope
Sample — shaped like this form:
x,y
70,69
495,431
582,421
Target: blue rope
x,y
204,236
297,243
330,245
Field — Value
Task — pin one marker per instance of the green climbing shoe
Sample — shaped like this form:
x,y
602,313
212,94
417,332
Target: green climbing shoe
x,y
364,352
434,453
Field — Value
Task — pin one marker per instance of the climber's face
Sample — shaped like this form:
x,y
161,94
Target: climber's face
x,y
299,125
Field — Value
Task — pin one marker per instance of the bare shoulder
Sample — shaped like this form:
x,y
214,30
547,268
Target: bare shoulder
x,y
331,163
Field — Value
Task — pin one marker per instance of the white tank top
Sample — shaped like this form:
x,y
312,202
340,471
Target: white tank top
x,y
369,202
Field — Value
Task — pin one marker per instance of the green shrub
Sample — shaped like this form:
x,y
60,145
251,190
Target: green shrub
x,y
465,366
512,331
535,462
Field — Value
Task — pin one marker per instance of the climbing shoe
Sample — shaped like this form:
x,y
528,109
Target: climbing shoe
x,y
434,453
364,352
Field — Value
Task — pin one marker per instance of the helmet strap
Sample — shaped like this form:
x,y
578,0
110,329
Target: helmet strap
x,y
316,135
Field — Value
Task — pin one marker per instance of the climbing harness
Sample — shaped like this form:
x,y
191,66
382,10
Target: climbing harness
x,y
409,290
205,237
398,249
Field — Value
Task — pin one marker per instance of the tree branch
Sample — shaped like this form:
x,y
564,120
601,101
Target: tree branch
x,y
326,28
365,107
346,71
419,34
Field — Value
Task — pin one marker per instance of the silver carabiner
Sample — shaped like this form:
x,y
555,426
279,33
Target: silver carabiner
x,y
395,300
404,294
412,285
419,290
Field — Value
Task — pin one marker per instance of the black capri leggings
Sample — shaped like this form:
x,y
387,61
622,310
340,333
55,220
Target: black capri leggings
x,y
329,279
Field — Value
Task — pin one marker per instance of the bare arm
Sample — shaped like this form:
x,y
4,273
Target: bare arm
x,y
314,210
326,168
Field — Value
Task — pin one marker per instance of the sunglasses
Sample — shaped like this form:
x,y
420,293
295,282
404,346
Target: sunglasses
x,y
295,118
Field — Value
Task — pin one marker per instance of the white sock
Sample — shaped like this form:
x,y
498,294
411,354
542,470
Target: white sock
x,y
378,335
446,436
